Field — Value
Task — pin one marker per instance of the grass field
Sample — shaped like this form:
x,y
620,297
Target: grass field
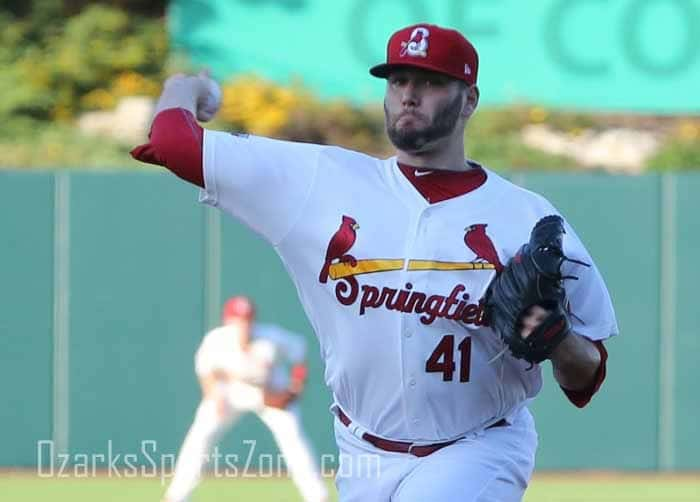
x,y
544,488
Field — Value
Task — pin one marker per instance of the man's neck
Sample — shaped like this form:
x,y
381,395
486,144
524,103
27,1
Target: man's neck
x,y
450,158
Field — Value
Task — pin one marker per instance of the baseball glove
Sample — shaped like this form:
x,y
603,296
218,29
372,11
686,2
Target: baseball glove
x,y
532,277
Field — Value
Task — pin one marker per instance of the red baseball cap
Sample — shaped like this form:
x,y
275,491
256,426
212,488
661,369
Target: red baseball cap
x,y
432,48
238,306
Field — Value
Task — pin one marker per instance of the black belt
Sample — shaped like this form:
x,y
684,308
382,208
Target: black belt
x,y
404,447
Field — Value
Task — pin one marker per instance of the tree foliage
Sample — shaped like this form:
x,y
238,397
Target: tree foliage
x,y
50,62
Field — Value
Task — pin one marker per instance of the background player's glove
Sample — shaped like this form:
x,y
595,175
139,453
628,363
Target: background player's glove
x,y
279,399
532,277
297,378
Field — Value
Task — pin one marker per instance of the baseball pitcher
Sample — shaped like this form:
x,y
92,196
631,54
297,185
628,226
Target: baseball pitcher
x,y
438,290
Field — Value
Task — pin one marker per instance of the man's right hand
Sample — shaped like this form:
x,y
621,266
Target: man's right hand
x,y
199,94
209,100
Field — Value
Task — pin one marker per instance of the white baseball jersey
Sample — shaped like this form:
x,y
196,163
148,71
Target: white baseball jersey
x,y
393,284
266,361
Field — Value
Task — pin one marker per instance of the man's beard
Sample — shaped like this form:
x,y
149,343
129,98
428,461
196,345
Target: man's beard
x,y
415,140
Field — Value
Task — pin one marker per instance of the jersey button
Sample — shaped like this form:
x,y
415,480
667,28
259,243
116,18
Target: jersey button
x,y
412,382
408,334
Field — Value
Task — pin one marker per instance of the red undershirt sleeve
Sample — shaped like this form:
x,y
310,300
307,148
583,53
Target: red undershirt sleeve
x,y
175,142
581,398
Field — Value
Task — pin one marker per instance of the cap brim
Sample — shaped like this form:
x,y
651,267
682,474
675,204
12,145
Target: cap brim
x,y
385,69
382,70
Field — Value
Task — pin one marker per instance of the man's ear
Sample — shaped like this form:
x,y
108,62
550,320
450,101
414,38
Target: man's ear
x,y
471,102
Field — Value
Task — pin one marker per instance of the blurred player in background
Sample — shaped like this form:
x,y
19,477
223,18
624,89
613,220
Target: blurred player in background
x,y
244,366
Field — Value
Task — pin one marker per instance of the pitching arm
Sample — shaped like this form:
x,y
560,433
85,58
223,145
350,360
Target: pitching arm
x,y
176,139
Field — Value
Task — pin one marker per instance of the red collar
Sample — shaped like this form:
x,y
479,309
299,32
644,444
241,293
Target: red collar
x,y
437,185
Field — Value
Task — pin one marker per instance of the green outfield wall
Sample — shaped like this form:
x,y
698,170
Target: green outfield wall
x,y
108,281
640,55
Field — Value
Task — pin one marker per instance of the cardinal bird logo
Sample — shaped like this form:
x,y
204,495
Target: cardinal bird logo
x,y
341,242
481,245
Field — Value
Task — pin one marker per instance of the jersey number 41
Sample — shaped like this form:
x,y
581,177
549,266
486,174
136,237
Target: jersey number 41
x,y
442,360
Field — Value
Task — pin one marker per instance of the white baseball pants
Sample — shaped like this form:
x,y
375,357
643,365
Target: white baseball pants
x,y
494,465
207,429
